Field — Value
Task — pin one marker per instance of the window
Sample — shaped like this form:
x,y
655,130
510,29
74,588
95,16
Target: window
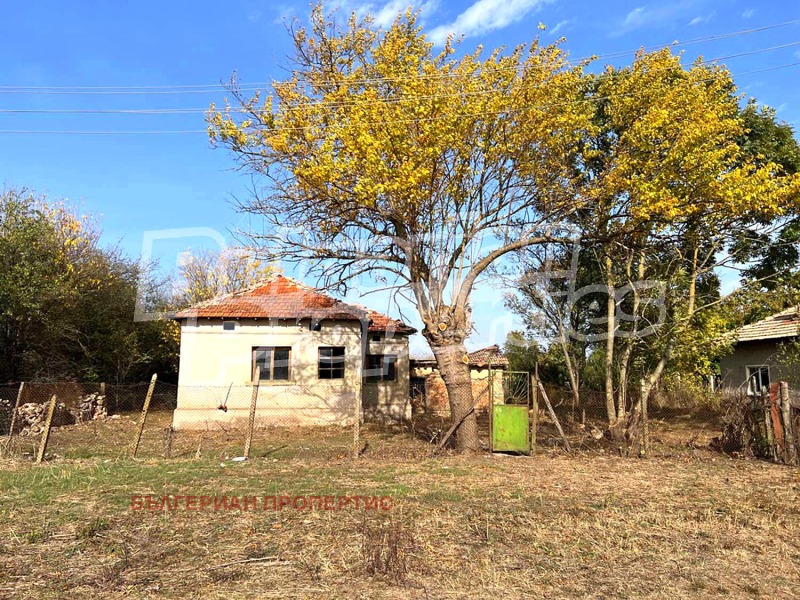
x,y
757,380
380,367
376,338
331,362
274,362
229,325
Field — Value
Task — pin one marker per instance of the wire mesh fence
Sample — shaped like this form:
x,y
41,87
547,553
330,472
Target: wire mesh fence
x,y
93,420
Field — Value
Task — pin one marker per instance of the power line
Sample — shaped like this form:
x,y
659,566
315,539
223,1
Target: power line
x,y
330,104
409,120
255,86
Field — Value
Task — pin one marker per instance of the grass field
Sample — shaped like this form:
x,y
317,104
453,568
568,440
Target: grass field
x,y
686,523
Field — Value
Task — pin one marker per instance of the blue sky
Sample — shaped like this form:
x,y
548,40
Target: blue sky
x,y
137,183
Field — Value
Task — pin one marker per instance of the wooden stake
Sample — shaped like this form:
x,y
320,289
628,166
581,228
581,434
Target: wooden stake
x,y
554,417
790,450
534,409
143,418
12,425
251,423
357,403
645,425
490,402
47,426
168,442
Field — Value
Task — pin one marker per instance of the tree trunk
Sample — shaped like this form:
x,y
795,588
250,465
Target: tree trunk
x,y
454,370
574,380
611,313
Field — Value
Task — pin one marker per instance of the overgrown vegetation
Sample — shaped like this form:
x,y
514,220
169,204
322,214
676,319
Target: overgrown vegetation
x,y
66,302
688,522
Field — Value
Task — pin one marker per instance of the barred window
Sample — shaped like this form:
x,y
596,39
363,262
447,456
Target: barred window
x,y
331,362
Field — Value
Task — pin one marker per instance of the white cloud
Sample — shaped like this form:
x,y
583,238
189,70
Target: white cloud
x,y
636,18
484,16
384,16
748,13
643,16
384,13
560,26
701,19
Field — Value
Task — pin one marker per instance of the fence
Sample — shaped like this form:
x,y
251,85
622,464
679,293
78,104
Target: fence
x,y
96,420
766,426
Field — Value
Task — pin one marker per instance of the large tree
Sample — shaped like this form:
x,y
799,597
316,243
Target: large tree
x,y
385,159
66,302
672,187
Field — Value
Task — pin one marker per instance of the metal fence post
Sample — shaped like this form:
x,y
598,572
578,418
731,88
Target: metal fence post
x,y
48,424
251,423
145,408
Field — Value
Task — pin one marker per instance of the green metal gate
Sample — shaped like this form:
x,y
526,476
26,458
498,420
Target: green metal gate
x,y
509,411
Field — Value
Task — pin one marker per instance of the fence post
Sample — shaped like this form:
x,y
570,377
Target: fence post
x,y
644,399
143,418
47,426
251,423
490,402
554,417
790,456
534,409
357,403
168,441
13,423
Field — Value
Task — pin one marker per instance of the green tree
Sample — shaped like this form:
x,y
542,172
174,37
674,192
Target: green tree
x,y
66,303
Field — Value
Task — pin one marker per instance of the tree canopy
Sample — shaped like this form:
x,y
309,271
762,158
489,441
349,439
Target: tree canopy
x,y
381,156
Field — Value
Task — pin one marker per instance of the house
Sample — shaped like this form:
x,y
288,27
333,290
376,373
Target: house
x,y
318,358
428,389
755,361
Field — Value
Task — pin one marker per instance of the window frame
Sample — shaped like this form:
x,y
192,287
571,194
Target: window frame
x,y
384,375
750,371
338,357
253,363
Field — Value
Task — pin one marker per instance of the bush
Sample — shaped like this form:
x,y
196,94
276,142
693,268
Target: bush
x,y
686,393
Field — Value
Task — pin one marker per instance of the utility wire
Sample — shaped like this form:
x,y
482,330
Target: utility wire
x,y
409,120
254,86
330,104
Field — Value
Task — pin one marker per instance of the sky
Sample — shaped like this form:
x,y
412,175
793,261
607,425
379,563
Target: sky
x,y
154,181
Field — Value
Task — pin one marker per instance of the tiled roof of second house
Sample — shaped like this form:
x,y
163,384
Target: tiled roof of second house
x,y
781,325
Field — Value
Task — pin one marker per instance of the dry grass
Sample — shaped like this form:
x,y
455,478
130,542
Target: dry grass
x,y
687,523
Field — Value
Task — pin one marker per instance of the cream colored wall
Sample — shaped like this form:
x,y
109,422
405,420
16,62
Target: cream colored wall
x,y
389,400
212,359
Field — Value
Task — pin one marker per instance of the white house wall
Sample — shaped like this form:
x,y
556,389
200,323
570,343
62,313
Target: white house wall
x,y
216,364
389,400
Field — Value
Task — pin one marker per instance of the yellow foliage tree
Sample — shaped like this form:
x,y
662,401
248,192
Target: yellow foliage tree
x,y
380,155
383,155
670,188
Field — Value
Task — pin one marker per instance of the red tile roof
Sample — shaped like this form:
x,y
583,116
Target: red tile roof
x,y
485,356
479,358
285,298
781,325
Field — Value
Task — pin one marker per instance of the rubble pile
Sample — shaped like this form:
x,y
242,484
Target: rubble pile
x,y
91,407
31,417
